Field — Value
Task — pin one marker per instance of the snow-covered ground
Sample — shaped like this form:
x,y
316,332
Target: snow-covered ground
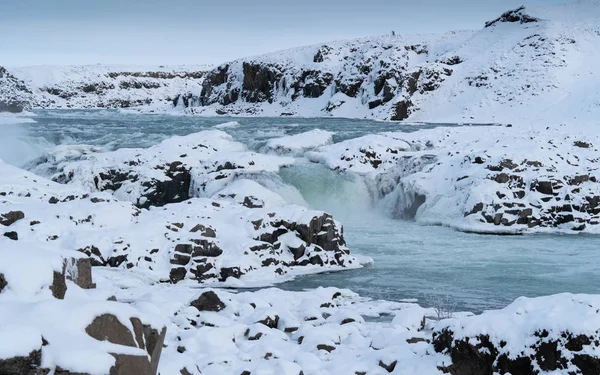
x,y
156,250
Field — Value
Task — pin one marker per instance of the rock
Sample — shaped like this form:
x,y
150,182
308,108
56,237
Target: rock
x,y
107,327
28,365
80,272
3,282
517,15
230,272
11,217
12,235
402,110
208,301
59,284
177,274
480,355
205,231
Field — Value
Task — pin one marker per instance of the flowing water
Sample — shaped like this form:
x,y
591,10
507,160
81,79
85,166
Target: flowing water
x,y
411,261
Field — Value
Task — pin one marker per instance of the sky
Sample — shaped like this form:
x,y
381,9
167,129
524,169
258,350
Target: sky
x,y
154,32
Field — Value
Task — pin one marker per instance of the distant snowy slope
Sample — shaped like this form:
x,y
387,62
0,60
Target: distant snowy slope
x,y
100,86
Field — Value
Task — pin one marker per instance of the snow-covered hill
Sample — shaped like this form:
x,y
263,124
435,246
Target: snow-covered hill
x,y
99,86
528,65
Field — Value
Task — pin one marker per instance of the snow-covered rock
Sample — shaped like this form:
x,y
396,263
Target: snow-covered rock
x,y
199,164
15,96
554,334
237,229
298,144
483,179
50,322
100,86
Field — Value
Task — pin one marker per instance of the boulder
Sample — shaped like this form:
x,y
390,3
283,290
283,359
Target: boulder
x,y
107,327
208,301
11,217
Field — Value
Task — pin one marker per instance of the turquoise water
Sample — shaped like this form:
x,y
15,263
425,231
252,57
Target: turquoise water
x,y
411,261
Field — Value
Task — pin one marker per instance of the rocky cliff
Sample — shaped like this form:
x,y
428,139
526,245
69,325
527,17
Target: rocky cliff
x,y
98,86
529,65
15,96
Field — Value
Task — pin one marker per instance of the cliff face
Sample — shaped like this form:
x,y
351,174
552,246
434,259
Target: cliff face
x,y
109,86
14,95
377,77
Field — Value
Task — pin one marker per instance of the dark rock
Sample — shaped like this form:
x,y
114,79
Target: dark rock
x,y
59,284
177,274
206,249
80,272
479,355
11,217
544,187
107,327
327,348
517,15
22,365
208,301
270,322
12,235
390,367
3,282
402,110
230,272
205,231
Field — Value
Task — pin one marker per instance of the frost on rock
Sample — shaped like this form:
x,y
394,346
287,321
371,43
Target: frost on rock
x,y
170,172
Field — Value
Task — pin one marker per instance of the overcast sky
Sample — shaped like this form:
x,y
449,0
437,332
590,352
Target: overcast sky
x,y
43,32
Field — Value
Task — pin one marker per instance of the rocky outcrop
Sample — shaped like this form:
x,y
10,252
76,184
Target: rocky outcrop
x,y
376,74
15,96
107,87
107,327
549,183
516,15
280,244
529,344
208,301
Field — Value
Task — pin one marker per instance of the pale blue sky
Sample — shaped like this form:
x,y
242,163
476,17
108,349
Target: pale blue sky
x,y
41,32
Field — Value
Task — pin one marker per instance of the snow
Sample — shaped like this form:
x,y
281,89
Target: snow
x,y
539,175
299,143
106,86
227,125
